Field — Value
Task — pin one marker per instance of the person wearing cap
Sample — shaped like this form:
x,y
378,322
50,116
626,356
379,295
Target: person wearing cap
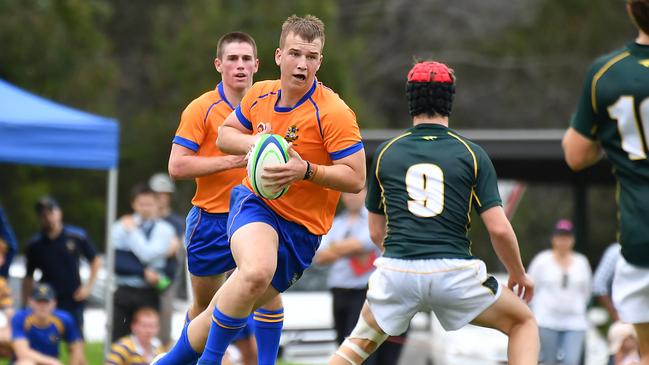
x,y
164,189
623,344
38,331
56,251
422,187
563,289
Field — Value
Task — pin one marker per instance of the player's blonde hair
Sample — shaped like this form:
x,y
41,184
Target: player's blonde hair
x,y
308,28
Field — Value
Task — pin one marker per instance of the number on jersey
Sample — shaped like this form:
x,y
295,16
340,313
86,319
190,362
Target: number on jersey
x,y
425,186
633,128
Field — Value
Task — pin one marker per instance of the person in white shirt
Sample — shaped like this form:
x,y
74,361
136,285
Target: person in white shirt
x,y
142,243
562,280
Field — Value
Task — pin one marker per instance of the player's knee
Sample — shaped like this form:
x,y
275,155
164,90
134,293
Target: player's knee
x,y
522,319
362,341
257,279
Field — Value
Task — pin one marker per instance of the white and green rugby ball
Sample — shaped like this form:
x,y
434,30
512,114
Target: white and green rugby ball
x,y
270,149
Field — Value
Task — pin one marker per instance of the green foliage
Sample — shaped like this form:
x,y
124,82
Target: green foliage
x,y
518,66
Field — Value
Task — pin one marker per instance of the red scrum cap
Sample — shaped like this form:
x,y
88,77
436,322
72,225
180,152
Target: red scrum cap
x,y
430,71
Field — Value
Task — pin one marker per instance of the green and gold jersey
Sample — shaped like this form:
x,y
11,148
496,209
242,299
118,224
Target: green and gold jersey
x,y
426,182
614,110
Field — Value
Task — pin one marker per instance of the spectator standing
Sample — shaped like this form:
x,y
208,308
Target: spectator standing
x,y
164,189
142,344
56,251
6,307
7,234
562,280
142,242
350,251
603,278
38,331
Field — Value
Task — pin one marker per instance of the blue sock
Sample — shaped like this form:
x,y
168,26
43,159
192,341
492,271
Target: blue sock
x,y
268,330
181,353
223,329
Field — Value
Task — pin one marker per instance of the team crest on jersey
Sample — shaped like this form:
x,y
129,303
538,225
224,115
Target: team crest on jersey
x,y
291,134
429,138
70,246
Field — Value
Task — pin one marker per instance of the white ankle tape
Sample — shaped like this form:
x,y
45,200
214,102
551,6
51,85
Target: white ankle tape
x,y
344,356
357,349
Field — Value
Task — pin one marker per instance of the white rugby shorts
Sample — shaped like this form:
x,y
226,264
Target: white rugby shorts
x,y
456,290
631,292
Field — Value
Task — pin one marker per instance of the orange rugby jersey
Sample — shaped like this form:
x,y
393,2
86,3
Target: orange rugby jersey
x,y
322,129
198,131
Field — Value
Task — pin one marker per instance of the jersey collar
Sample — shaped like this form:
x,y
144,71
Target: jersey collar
x,y
222,94
283,109
429,126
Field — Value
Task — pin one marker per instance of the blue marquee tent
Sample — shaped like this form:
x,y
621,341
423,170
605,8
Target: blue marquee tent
x,y
37,131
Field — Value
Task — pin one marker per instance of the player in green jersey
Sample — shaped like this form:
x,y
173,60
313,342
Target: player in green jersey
x,y
422,188
613,116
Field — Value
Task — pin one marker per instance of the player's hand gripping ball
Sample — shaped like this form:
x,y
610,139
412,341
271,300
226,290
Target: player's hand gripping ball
x,y
270,149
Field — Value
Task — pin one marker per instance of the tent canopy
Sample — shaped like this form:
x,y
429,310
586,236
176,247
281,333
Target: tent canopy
x,y
37,131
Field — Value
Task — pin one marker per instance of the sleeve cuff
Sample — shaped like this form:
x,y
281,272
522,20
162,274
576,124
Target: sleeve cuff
x,y
375,210
588,134
346,151
186,143
242,118
484,207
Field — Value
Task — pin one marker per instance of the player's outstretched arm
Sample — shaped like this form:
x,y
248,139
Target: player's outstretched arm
x,y
185,164
234,138
505,244
580,152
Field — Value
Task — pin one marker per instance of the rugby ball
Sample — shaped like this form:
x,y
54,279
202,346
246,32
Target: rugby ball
x,y
270,149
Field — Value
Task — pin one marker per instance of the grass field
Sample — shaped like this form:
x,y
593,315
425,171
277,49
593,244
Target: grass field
x,y
95,355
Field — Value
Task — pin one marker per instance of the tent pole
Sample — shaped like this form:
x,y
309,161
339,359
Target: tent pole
x,y
111,216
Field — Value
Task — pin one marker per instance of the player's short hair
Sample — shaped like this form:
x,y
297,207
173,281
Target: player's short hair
x,y
430,89
235,37
144,312
640,14
308,28
141,189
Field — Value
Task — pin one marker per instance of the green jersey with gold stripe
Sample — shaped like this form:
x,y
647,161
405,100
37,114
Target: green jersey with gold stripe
x,y
426,181
614,110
